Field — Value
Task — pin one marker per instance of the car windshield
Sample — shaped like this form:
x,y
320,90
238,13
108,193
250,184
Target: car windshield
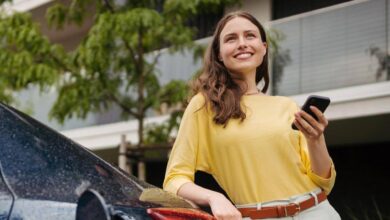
x,y
40,163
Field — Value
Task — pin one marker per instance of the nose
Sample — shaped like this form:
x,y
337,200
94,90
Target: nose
x,y
242,42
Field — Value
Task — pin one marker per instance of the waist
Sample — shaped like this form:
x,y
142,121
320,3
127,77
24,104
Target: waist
x,y
284,207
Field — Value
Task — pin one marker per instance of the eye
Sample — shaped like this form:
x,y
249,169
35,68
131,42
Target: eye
x,y
229,39
250,36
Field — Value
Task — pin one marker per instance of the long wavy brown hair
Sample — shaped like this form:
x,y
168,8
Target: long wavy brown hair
x,y
222,89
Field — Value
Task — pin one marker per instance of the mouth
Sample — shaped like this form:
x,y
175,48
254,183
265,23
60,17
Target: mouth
x,y
243,55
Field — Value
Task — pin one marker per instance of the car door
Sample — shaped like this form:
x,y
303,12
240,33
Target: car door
x,y
6,198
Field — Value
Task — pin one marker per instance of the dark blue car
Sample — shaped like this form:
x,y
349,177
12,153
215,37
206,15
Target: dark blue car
x,y
43,174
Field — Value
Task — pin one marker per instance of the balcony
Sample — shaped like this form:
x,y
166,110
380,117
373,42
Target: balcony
x,y
336,47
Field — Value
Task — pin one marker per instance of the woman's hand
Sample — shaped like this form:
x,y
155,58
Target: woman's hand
x,y
310,127
313,131
222,208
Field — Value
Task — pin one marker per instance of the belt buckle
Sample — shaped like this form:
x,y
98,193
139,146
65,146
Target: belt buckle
x,y
296,210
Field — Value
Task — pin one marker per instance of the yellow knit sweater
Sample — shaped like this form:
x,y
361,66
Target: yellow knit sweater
x,y
257,160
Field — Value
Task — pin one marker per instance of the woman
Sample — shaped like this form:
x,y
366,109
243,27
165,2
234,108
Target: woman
x,y
244,139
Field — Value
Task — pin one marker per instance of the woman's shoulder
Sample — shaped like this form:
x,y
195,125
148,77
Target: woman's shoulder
x,y
198,98
197,102
286,101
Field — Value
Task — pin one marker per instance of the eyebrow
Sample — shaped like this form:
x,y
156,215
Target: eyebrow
x,y
233,34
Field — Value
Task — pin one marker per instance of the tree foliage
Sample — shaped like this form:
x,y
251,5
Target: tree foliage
x,y
113,65
280,57
26,56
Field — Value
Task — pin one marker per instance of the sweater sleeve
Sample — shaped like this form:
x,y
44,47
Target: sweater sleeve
x,y
325,183
182,162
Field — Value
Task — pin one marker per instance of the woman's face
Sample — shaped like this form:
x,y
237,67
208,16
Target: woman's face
x,y
241,47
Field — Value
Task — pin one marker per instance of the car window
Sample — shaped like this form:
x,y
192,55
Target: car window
x,y
40,163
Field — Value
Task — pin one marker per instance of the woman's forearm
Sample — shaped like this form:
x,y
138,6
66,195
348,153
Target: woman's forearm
x,y
196,194
319,157
220,206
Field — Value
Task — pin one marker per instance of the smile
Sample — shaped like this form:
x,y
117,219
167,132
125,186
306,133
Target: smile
x,y
243,55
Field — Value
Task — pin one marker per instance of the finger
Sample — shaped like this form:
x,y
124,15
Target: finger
x,y
238,214
305,132
321,117
318,126
226,215
312,122
305,127
308,118
299,126
219,215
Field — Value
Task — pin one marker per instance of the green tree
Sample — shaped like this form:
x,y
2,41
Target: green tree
x,y
279,57
113,65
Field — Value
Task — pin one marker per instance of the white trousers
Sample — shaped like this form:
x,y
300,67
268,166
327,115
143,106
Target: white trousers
x,y
321,211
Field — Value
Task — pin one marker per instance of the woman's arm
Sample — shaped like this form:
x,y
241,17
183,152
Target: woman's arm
x,y
189,153
220,206
313,131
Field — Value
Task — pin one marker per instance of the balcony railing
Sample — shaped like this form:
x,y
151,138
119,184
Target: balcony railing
x,y
336,48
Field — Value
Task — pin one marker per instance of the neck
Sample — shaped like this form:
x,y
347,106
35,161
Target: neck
x,y
250,81
252,93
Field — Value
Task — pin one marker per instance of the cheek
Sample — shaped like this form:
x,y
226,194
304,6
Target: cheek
x,y
226,51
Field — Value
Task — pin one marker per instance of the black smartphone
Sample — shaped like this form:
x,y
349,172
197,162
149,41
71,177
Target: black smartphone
x,y
321,102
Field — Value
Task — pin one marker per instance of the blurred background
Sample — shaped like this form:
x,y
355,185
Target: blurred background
x,y
113,76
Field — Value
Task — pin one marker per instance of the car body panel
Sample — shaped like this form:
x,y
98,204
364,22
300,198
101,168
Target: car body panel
x,y
43,209
6,198
5,206
48,171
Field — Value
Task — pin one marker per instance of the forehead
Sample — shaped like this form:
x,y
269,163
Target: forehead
x,y
237,25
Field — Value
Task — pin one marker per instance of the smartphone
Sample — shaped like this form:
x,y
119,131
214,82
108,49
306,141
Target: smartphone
x,y
321,102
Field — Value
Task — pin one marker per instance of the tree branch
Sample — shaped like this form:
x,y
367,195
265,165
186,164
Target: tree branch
x,y
108,5
141,85
155,60
131,51
147,105
61,64
123,106
150,69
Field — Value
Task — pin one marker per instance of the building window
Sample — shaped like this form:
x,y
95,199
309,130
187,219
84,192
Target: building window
x,y
285,8
205,22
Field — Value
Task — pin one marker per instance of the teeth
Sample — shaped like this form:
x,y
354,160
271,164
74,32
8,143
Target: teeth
x,y
243,55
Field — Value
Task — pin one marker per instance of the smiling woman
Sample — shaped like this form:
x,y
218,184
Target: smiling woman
x,y
244,139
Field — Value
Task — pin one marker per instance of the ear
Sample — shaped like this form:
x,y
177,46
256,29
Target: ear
x,y
265,48
220,58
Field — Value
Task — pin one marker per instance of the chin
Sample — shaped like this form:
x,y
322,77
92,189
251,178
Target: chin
x,y
244,68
